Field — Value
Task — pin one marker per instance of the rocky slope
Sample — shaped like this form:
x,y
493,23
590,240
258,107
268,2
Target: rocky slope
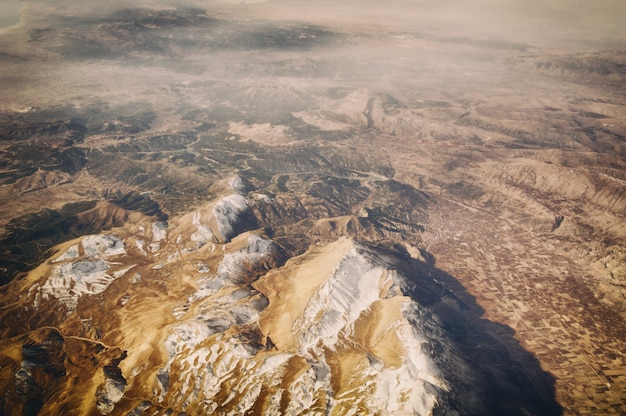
x,y
344,328
220,211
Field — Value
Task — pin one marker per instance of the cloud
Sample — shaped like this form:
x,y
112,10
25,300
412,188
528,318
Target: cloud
x,y
558,23
554,23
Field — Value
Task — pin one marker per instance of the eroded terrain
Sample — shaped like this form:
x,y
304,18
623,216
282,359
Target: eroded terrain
x,y
207,212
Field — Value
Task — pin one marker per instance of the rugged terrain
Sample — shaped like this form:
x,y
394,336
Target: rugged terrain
x,y
231,210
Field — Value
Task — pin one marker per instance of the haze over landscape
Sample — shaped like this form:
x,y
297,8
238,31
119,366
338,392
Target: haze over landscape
x,y
284,207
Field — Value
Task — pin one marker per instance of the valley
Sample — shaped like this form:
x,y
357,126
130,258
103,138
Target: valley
x,y
205,212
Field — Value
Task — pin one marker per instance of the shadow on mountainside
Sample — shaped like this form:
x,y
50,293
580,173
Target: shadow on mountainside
x,y
488,371
29,238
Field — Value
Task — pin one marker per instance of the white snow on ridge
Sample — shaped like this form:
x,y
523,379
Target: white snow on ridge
x,y
228,213
70,254
203,352
70,280
121,272
235,266
101,245
407,387
203,234
218,222
199,346
217,337
353,287
139,244
238,184
159,231
361,281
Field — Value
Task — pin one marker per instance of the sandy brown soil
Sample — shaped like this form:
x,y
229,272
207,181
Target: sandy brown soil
x,y
465,145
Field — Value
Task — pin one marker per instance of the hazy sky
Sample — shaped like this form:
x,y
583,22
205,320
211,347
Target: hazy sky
x,y
9,12
562,21
579,24
359,46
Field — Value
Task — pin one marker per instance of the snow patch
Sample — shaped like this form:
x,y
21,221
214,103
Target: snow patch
x,y
235,267
70,280
275,361
159,231
352,288
203,234
207,287
232,215
173,257
239,185
203,268
109,394
101,245
360,280
121,272
139,244
200,346
208,346
70,254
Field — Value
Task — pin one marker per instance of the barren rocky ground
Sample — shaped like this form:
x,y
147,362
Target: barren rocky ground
x,y
189,195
